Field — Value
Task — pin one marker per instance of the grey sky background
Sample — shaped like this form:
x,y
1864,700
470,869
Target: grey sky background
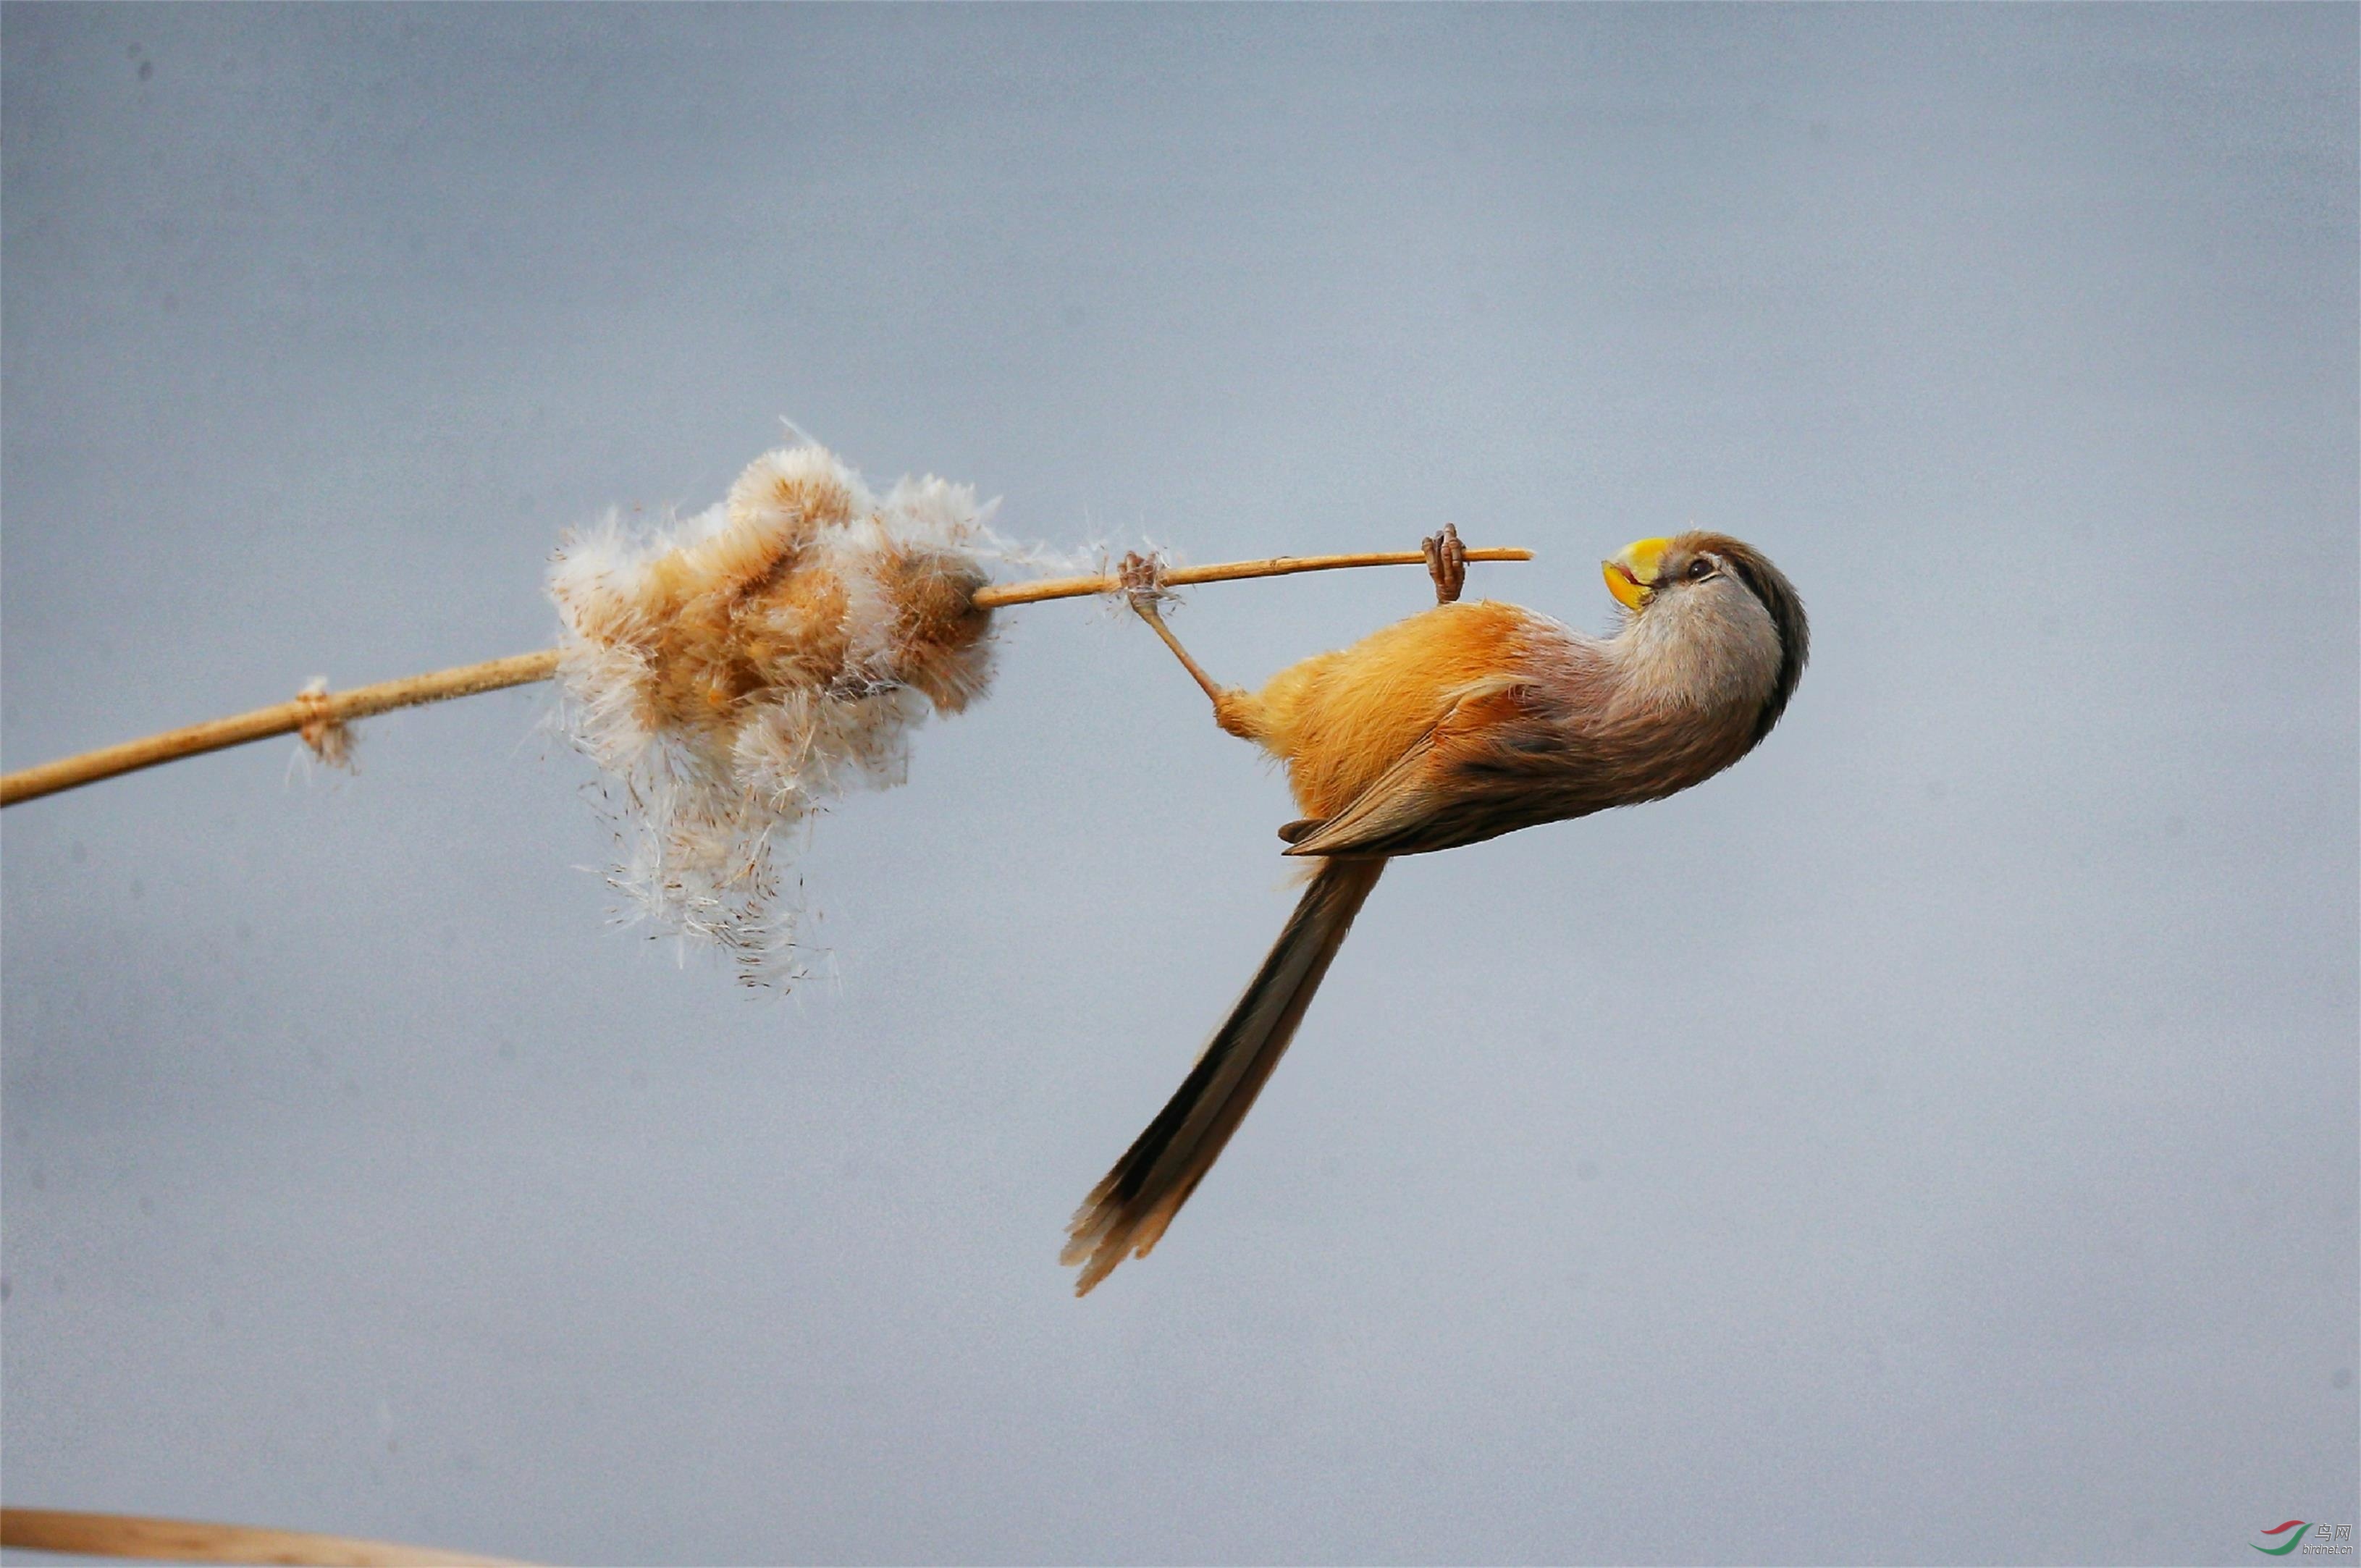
x,y
1932,1141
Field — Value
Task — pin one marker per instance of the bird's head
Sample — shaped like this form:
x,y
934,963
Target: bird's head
x,y
1648,570
1709,587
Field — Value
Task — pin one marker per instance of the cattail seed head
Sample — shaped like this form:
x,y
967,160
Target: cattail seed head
x,y
736,669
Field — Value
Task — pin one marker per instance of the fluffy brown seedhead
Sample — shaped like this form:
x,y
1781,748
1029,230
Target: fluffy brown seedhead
x,y
740,667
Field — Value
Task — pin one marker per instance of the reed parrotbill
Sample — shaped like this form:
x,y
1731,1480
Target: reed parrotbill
x,y
1460,724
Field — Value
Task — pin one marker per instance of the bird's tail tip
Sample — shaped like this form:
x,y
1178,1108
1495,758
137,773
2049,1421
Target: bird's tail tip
x,y
1127,1212
1091,1249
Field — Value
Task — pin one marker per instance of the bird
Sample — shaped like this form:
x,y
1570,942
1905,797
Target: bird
x,y
1458,724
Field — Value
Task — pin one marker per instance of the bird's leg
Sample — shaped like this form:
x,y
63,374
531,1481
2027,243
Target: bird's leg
x,y
1142,582
1446,563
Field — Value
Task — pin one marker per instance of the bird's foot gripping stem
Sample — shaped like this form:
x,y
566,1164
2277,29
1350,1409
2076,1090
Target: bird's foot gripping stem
x,y
1142,577
1446,563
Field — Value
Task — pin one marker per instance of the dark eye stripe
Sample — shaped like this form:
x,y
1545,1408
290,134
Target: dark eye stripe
x,y
1787,618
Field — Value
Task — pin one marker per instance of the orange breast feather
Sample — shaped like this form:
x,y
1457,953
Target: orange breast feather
x,y
1340,720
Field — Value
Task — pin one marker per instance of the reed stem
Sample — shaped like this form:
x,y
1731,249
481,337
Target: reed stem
x,y
523,669
1220,572
192,1541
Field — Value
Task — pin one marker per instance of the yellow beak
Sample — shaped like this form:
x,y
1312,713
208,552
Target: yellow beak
x,y
1631,574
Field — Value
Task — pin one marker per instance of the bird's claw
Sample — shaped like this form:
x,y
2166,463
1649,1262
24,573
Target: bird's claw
x,y
1141,581
1446,563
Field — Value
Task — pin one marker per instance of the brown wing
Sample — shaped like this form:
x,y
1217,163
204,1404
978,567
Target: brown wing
x,y
1493,763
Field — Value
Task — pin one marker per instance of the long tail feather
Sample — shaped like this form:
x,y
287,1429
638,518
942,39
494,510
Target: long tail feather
x,y
1126,1213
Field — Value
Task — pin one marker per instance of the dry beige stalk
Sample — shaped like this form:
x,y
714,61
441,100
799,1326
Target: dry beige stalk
x,y
197,1541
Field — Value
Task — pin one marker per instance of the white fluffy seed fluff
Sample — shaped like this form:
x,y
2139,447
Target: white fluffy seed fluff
x,y
327,739
736,670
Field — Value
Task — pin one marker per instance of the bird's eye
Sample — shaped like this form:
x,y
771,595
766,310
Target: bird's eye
x,y
1701,568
